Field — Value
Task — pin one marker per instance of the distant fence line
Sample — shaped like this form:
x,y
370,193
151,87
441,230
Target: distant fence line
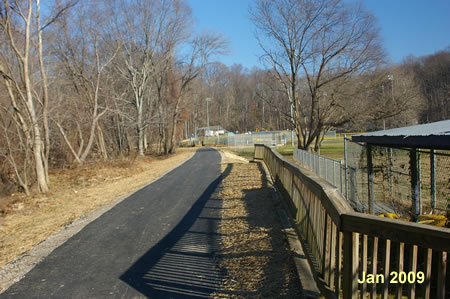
x,y
268,138
249,140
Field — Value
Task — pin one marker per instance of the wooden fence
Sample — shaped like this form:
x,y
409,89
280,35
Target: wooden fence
x,y
356,255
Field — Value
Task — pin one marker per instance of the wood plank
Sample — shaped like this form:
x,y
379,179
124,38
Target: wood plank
x,y
426,236
316,230
305,210
332,266
441,279
339,237
373,292
413,269
386,266
297,203
363,286
400,268
319,235
309,216
427,271
350,283
326,249
290,177
311,220
331,199
323,231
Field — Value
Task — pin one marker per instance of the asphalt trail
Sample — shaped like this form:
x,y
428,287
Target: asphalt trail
x,y
158,243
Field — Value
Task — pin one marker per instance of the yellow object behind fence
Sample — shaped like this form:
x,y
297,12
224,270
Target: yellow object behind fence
x,y
436,220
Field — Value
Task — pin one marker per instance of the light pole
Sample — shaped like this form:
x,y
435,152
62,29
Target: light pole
x,y
293,124
383,97
390,78
389,155
207,114
258,87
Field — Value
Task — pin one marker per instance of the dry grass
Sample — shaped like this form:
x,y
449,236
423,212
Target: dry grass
x,y
75,193
255,253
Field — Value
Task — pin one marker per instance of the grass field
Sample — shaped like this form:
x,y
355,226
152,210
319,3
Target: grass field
x,y
333,149
330,149
246,152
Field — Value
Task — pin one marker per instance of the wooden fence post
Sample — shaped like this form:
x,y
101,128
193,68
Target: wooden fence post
x,y
350,281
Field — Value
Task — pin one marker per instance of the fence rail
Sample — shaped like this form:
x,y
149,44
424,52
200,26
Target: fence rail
x,y
344,246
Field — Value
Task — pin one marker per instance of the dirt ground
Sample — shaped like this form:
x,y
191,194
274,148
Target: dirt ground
x,y
74,194
255,256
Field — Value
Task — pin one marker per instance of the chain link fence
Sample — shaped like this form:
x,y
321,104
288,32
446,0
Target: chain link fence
x,y
274,138
249,140
333,171
393,184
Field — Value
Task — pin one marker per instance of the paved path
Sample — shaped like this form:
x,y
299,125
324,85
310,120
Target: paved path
x,y
158,243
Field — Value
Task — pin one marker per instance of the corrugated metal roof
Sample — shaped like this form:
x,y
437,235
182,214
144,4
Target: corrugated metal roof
x,y
436,129
433,135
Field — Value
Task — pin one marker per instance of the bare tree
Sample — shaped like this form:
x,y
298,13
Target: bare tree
x,y
15,148
433,76
309,46
84,56
17,24
149,30
394,100
22,25
180,76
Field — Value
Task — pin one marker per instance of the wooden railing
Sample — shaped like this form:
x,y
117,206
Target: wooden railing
x,y
356,255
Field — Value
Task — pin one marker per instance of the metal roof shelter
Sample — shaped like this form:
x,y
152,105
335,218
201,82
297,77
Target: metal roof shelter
x,y
431,136
413,138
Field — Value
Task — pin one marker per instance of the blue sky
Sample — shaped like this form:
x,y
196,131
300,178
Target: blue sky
x,y
417,27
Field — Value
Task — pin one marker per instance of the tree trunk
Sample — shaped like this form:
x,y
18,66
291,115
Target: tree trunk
x,y
90,141
140,126
37,139
145,141
46,151
101,143
39,164
173,138
75,155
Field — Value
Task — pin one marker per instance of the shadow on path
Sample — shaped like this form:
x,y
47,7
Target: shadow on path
x,y
256,254
183,263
